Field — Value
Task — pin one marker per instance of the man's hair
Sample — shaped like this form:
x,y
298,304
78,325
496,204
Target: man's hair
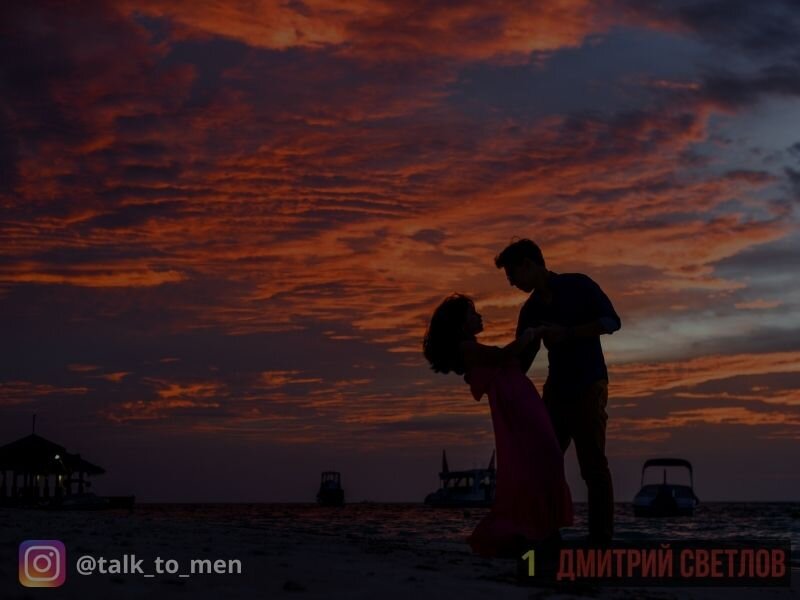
x,y
518,251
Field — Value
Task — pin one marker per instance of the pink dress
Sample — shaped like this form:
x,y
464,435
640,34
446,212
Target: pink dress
x,y
532,498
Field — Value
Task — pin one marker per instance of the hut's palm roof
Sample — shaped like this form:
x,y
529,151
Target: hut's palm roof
x,y
34,453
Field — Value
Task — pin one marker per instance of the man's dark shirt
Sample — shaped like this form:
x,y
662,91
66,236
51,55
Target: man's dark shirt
x,y
576,300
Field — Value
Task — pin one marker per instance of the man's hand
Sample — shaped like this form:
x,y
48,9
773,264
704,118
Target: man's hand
x,y
555,334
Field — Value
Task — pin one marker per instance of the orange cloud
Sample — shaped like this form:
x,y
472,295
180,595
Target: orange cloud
x,y
282,378
26,392
658,429
638,380
376,30
99,276
79,368
151,410
114,377
758,304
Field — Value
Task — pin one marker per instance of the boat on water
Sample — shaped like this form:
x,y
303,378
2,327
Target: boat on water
x,y
469,488
330,489
665,499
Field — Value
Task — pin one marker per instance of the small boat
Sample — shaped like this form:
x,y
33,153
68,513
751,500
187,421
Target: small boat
x,y
665,499
471,488
330,489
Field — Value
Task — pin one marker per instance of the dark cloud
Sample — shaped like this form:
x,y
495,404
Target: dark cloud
x,y
762,385
8,161
794,181
434,237
299,7
781,256
760,28
91,326
764,340
631,133
135,215
750,176
210,59
113,193
734,91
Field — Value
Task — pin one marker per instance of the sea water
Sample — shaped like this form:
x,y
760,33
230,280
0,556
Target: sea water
x,y
414,524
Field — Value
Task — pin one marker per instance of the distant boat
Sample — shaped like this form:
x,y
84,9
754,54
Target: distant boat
x,y
471,488
665,499
330,489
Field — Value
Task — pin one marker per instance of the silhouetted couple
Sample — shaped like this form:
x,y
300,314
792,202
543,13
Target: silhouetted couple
x,y
568,312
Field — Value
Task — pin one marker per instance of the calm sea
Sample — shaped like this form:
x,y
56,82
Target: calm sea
x,y
417,524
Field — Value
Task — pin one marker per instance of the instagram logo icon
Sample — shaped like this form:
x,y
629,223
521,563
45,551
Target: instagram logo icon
x,y
42,563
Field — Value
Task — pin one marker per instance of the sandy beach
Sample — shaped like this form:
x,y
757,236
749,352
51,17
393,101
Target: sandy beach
x,y
284,563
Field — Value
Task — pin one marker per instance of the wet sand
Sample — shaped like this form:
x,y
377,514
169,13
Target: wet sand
x,y
281,563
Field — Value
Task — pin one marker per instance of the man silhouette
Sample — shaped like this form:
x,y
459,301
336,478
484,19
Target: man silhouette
x,y
574,312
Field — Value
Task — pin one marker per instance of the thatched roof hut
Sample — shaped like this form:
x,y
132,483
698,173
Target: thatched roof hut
x,y
35,460
35,454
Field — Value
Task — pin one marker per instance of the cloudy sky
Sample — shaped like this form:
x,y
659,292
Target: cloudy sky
x,y
224,226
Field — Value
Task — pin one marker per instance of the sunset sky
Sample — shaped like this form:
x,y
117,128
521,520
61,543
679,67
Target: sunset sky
x,y
225,225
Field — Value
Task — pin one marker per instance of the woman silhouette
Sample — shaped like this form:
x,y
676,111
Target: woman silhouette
x,y
532,498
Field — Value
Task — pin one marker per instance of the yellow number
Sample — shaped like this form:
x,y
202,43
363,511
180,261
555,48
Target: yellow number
x,y
530,556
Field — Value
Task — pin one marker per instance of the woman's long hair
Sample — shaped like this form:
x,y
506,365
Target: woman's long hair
x,y
445,334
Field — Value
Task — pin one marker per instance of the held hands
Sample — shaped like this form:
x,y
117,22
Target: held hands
x,y
555,334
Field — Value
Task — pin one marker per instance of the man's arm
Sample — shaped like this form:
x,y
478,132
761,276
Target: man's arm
x,y
607,320
476,354
601,326
526,357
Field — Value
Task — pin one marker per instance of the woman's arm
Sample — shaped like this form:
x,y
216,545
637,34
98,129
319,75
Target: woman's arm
x,y
476,354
